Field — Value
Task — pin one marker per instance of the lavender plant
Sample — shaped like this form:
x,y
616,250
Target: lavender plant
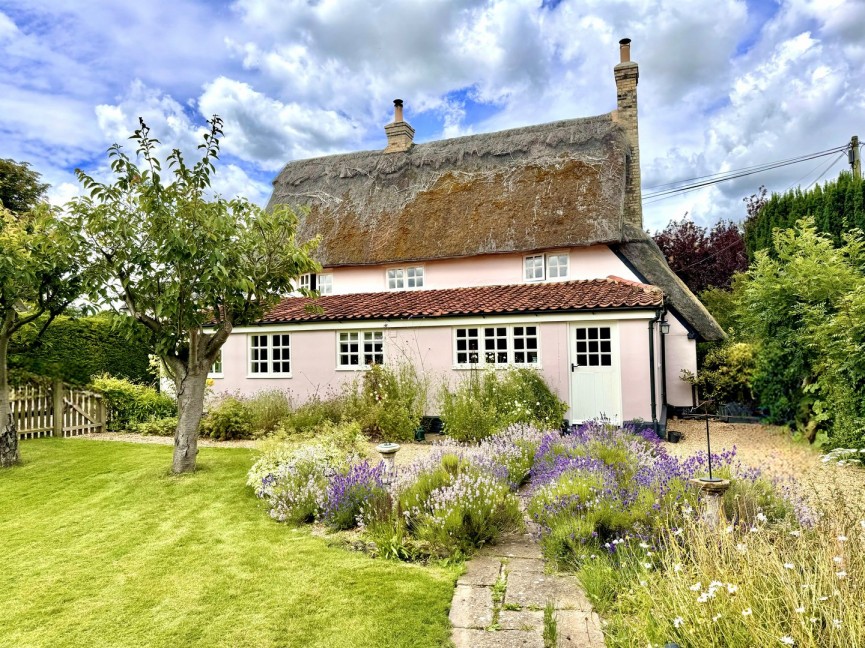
x,y
348,492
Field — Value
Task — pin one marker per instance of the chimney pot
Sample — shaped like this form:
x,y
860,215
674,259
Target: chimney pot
x,y
397,111
625,50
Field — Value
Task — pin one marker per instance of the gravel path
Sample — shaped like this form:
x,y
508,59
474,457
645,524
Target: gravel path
x,y
771,449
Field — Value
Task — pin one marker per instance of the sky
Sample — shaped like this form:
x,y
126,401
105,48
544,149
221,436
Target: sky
x,y
724,84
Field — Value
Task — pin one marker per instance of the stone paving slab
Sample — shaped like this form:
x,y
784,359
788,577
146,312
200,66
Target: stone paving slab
x,y
514,547
578,629
464,638
532,589
472,607
483,570
522,620
526,565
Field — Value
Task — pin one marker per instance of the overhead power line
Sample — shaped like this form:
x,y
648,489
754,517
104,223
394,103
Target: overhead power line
x,y
683,186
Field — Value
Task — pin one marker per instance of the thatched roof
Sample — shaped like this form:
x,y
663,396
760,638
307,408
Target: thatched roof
x,y
646,258
553,185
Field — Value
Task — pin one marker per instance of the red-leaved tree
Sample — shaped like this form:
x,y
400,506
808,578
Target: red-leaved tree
x,y
703,258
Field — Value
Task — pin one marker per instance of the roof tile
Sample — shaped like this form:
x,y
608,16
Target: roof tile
x,y
592,294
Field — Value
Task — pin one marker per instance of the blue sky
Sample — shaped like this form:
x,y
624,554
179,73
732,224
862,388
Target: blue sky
x,y
724,84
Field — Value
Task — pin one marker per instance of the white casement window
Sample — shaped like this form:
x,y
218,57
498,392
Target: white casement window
x,y
496,345
525,345
557,266
403,278
306,281
270,355
324,284
216,367
534,268
359,349
396,279
414,277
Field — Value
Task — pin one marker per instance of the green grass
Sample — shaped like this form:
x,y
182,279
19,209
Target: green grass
x,y
101,546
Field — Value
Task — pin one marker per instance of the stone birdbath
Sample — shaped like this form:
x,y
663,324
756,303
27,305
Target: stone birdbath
x,y
388,454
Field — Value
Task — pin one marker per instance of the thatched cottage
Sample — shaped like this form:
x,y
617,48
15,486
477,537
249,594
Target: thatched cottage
x,y
523,247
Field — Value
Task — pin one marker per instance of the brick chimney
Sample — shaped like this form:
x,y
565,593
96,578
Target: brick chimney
x,y
399,133
627,74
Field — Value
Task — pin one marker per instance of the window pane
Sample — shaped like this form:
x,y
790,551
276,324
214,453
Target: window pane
x,y
395,279
414,277
534,268
557,266
324,284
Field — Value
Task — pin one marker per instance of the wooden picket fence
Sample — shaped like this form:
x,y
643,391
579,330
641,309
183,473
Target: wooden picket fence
x,y
57,411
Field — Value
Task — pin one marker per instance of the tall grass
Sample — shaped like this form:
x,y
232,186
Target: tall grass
x,y
743,586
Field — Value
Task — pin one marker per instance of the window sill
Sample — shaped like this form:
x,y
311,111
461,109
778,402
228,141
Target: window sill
x,y
497,367
359,368
271,375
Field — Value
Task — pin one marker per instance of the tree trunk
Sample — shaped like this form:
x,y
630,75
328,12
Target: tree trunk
x,y
190,384
9,455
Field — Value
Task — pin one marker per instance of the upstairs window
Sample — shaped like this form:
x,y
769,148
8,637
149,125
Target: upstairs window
x,y
359,349
534,268
539,267
270,355
323,283
405,278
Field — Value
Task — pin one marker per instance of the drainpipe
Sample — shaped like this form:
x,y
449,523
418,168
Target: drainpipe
x,y
652,372
664,369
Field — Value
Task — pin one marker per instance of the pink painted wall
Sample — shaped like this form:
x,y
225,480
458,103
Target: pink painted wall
x,y
634,347
492,269
681,354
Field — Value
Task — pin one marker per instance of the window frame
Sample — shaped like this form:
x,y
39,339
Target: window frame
x,y
404,275
558,256
535,268
361,352
269,360
324,283
481,337
218,362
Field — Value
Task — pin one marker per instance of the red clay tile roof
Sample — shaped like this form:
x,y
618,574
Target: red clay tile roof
x,y
593,294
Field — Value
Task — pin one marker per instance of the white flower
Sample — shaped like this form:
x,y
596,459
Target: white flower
x,y
715,585
732,589
677,532
836,623
716,617
746,612
754,529
800,610
814,619
837,560
687,510
795,534
643,583
841,574
729,529
842,538
824,598
761,517
696,587
677,567
647,565
643,545
789,566
742,548
593,556
788,641
703,597
678,621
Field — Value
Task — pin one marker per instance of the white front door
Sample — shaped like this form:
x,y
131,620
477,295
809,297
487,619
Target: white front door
x,y
595,372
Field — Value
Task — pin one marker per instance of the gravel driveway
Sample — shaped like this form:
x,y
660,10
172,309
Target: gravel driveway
x,y
771,449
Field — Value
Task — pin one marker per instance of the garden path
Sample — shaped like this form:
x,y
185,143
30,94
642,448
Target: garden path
x,y
500,601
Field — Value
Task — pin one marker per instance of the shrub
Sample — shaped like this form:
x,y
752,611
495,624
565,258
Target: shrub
x,y
389,402
129,403
165,426
312,414
489,401
726,374
267,410
230,419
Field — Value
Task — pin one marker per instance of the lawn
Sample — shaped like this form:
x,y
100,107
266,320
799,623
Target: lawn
x,y
102,547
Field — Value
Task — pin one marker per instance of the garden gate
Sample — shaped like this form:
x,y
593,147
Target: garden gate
x,y
58,411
